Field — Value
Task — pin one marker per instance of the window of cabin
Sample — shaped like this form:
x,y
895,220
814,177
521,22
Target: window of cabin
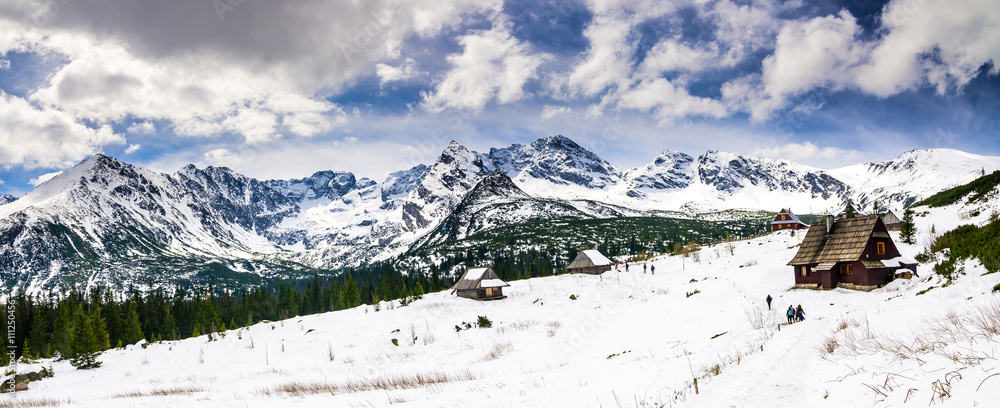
x,y
804,270
846,269
881,248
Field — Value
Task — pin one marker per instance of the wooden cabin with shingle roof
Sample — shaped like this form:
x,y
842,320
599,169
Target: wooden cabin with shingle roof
x,y
853,253
786,220
480,284
891,221
590,261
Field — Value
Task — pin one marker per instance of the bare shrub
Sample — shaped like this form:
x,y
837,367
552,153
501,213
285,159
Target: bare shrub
x,y
829,345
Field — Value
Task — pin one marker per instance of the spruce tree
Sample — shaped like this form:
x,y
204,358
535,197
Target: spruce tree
x,y
84,345
168,325
351,295
38,334
132,331
907,230
100,330
62,329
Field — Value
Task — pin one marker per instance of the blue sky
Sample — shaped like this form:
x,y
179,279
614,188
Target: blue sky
x,y
283,89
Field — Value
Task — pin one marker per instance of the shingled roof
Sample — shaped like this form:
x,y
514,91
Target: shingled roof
x,y
475,278
845,243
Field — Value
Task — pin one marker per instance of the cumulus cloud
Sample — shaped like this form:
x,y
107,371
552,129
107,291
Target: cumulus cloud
x,y
807,152
132,148
43,178
46,138
222,158
493,65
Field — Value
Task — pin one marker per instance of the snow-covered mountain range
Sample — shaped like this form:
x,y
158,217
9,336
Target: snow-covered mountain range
x,y
104,219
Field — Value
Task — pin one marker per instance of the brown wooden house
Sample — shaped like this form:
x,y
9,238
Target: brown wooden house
x,y
589,261
853,253
786,220
480,284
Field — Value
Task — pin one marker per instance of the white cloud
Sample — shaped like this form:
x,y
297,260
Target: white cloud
x,y
670,101
222,158
132,148
204,72
43,178
962,34
807,152
493,65
4,64
145,128
46,138
549,111
387,73
606,62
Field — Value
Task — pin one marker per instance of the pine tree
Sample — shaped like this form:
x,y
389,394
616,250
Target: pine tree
x,y
84,345
131,330
907,230
168,325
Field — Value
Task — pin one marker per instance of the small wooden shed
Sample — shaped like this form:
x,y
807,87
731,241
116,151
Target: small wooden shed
x,y
480,284
786,220
892,222
590,261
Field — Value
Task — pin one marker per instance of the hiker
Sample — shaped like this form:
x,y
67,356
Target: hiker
x,y
800,315
652,269
790,313
643,269
769,299
626,266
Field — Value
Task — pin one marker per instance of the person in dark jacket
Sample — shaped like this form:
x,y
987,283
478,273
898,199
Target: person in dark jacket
x,y
769,299
790,313
643,268
652,269
800,314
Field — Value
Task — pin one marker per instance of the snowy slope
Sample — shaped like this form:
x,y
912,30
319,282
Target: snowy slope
x,y
628,339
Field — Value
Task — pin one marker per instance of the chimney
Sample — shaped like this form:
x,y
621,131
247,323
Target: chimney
x,y
829,224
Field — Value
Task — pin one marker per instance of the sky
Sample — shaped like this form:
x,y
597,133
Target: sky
x,y
281,89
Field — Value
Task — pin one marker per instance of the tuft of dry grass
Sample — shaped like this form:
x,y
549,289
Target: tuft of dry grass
x,y
498,350
34,402
160,392
388,382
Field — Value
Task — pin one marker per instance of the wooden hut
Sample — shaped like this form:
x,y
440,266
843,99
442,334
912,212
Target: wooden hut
x,y
786,220
849,210
853,253
590,261
892,222
480,284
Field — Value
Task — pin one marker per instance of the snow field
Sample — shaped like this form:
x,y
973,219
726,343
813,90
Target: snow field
x,y
626,340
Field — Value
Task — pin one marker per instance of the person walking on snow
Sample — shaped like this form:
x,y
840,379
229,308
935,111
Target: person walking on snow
x,y
769,299
643,269
626,266
652,269
800,315
790,313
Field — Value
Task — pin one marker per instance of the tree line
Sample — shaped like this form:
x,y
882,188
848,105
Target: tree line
x,y
79,324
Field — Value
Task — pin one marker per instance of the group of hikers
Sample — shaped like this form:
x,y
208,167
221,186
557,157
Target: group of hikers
x,y
652,268
794,314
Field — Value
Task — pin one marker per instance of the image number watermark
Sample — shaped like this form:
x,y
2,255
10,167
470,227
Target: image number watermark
x,y
11,343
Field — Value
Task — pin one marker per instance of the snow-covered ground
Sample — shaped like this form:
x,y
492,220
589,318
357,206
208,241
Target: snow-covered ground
x,y
616,340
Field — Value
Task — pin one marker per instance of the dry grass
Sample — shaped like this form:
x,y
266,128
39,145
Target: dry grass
x,y
388,382
498,350
160,392
34,402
